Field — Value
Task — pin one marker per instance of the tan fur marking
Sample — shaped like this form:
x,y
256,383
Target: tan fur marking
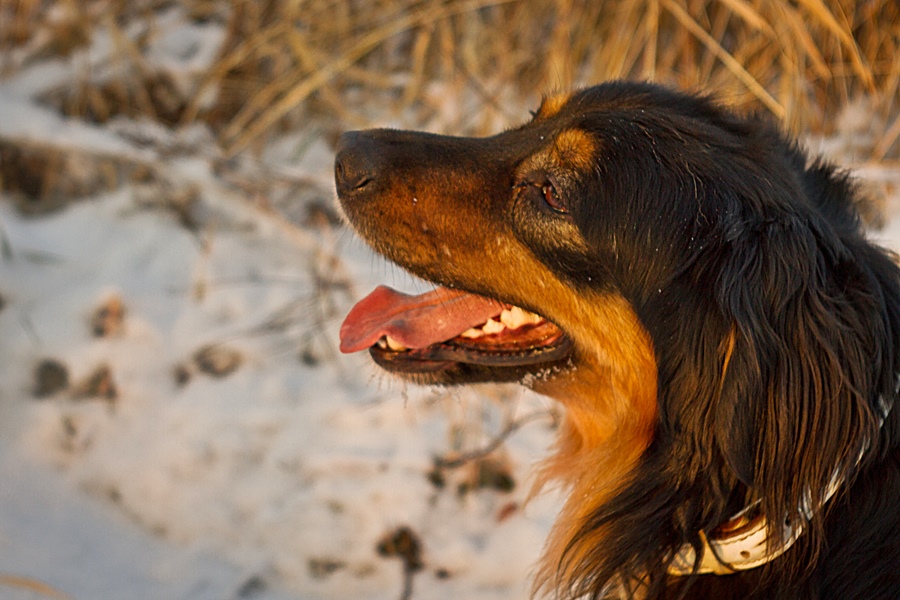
x,y
552,105
610,400
572,150
729,351
576,148
611,414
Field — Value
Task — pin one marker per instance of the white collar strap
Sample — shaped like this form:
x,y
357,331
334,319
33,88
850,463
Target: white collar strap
x,y
738,545
742,542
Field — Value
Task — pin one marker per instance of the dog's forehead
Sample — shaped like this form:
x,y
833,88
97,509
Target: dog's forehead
x,y
571,149
576,104
551,105
567,138
612,99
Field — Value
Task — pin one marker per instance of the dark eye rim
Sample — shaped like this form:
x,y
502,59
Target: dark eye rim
x,y
548,190
550,193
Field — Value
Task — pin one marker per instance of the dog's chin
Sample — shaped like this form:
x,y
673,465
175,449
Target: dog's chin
x,y
460,361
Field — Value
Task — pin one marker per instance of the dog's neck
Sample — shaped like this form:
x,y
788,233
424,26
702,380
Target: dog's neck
x,y
742,542
611,412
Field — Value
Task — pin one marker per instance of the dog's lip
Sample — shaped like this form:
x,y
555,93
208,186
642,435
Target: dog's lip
x,y
530,345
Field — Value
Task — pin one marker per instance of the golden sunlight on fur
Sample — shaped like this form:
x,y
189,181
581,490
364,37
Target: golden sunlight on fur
x,y
552,105
611,413
576,148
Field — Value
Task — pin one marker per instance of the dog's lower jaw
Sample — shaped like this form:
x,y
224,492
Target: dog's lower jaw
x,y
612,389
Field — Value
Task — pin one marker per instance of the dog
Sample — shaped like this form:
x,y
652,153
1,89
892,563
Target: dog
x,y
699,295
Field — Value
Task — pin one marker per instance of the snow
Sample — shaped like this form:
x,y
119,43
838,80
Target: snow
x,y
277,478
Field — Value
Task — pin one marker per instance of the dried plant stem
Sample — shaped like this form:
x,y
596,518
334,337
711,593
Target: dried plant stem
x,y
511,427
236,137
755,87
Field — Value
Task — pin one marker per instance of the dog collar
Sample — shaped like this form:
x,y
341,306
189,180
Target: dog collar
x,y
741,543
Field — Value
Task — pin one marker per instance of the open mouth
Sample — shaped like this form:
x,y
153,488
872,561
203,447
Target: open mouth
x,y
439,330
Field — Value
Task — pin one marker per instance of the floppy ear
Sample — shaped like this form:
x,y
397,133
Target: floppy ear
x,y
795,407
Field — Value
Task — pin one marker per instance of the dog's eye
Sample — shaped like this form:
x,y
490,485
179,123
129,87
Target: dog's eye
x,y
541,190
551,197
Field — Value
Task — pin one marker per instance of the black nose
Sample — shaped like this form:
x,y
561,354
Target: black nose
x,y
356,162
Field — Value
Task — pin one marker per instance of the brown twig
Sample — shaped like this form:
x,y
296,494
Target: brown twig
x,y
511,427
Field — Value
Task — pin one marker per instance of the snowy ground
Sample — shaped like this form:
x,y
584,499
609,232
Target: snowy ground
x,y
175,478
175,420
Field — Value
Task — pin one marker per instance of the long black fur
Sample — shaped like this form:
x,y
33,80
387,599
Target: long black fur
x,y
728,231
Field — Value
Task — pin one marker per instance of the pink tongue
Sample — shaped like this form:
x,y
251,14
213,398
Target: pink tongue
x,y
414,321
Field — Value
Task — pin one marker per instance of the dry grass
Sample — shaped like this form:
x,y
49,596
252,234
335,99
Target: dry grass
x,y
37,589
345,61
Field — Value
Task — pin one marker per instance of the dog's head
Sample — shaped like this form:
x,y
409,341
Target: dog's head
x,y
701,300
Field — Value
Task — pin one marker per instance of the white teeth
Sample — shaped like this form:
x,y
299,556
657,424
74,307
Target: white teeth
x,y
387,341
516,317
492,326
512,318
394,344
